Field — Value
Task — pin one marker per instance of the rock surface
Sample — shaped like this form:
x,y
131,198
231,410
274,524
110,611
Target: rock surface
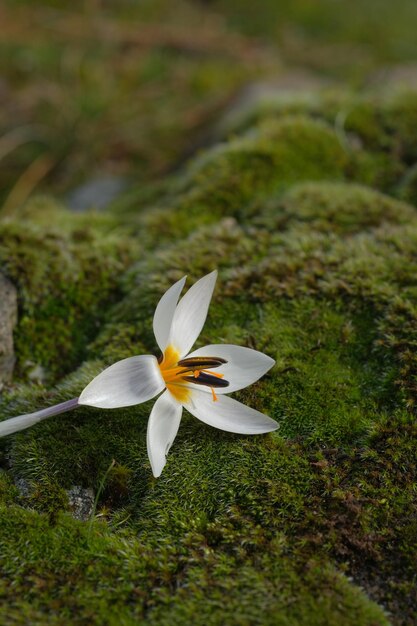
x,y
81,502
96,193
8,320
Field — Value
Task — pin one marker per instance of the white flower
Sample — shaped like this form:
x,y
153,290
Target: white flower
x,y
196,380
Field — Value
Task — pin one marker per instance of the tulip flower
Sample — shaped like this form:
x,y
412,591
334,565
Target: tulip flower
x,y
197,381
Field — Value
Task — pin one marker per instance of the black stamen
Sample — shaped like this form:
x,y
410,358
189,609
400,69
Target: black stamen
x,y
207,379
202,362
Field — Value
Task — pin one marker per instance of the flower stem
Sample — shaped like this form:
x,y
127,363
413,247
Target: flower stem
x,y
21,422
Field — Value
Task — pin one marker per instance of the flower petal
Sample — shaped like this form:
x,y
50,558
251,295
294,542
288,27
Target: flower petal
x,y
191,314
127,382
244,366
163,425
228,414
164,313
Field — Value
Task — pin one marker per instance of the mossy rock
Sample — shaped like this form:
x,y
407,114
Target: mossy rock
x,y
377,130
225,180
313,524
66,269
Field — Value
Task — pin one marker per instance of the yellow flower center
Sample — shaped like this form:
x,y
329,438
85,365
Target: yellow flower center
x,y
170,373
177,373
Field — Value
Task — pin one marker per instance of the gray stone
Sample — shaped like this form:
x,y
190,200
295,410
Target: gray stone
x,y
81,502
96,193
8,319
24,487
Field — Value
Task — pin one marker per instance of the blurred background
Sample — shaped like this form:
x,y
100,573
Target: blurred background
x,y
109,93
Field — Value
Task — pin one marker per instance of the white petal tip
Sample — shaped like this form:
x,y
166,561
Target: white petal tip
x,y
271,361
268,425
229,415
164,313
191,313
213,275
272,428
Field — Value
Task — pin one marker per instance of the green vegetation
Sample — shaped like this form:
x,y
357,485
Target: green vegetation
x,y
66,268
306,203
124,89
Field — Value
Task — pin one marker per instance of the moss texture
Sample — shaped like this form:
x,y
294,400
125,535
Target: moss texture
x,y
306,205
66,269
318,274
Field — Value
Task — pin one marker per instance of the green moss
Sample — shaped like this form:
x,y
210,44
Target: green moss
x,y
376,131
117,341
333,388
399,119
319,273
339,208
117,485
334,137
148,573
8,491
311,525
291,140
47,496
226,179
407,189
368,511
66,270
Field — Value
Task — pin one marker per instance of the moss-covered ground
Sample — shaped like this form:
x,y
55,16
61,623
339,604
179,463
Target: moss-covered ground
x,y
306,204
